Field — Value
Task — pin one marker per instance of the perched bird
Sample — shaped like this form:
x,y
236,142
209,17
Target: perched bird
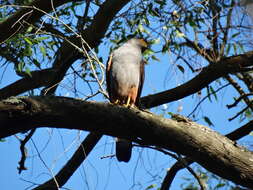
x,y
124,78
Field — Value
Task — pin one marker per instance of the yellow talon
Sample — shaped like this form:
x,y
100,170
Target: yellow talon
x,y
128,101
117,101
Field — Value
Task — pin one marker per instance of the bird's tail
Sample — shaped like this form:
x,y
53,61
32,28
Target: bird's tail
x,y
123,149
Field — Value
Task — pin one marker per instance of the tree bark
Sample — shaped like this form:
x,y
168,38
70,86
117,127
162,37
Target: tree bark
x,y
213,151
208,74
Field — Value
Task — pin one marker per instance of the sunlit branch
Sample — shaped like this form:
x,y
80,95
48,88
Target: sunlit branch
x,y
186,161
184,137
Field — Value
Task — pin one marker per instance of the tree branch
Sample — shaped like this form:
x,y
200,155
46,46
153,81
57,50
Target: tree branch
x,y
74,162
14,24
38,79
172,172
186,161
238,100
208,74
213,151
67,54
23,151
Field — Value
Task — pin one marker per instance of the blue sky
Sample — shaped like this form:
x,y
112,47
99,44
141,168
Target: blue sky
x,y
146,166
56,146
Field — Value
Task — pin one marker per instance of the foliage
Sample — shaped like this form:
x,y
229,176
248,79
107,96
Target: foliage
x,y
186,35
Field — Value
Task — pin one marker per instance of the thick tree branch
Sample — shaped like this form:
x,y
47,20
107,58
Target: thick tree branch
x,y
241,132
184,162
71,166
38,79
213,151
67,54
208,74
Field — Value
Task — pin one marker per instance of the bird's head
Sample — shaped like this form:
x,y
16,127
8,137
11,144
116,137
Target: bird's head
x,y
140,42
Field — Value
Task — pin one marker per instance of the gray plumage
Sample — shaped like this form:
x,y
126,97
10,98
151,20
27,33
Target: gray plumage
x,y
124,77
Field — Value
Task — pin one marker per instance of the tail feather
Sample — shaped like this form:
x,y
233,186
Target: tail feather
x,y
123,150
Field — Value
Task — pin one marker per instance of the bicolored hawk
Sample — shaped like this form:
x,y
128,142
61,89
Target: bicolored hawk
x,y
125,77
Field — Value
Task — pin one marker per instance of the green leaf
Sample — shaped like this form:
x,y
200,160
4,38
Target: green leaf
x,y
43,51
27,51
40,39
29,29
28,41
179,34
20,66
228,48
219,185
241,47
208,93
27,71
151,186
165,48
248,113
155,41
208,121
170,114
36,63
234,35
160,2
148,52
155,58
146,21
213,93
181,68
192,23
235,48
153,11
141,28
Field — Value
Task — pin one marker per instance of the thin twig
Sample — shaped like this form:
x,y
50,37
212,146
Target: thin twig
x,y
203,99
73,163
239,113
202,186
23,151
238,100
53,177
21,18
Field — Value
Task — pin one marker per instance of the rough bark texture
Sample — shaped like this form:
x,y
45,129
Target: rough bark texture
x,y
213,151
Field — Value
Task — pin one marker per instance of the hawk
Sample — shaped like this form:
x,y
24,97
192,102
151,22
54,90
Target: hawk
x,y
124,78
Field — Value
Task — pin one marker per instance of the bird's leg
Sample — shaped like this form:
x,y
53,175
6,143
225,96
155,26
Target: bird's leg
x,y
128,102
116,101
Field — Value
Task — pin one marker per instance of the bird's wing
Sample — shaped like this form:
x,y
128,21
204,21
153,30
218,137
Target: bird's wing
x,y
108,74
142,77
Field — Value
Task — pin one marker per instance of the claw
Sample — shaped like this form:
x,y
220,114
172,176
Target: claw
x,y
116,101
128,102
